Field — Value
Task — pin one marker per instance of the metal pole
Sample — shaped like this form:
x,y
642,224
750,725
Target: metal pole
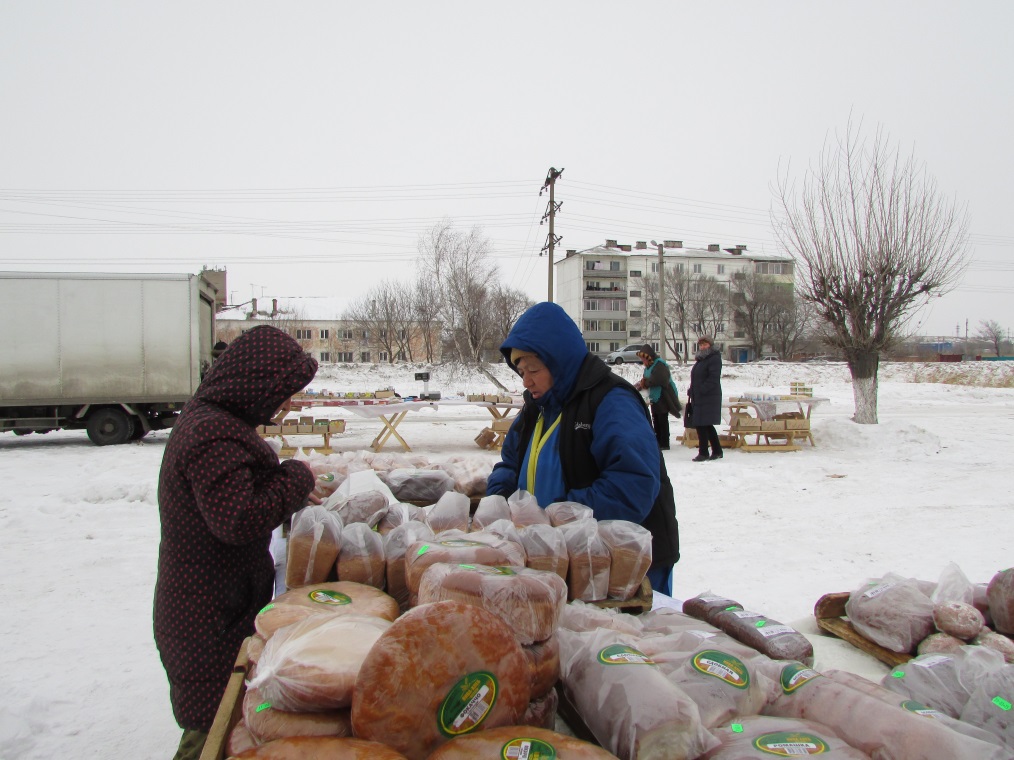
x,y
661,303
552,239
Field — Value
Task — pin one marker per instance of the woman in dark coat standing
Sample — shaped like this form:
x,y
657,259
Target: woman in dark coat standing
x,y
704,399
221,492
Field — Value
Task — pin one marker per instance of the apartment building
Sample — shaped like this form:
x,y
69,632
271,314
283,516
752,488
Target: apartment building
x,y
609,291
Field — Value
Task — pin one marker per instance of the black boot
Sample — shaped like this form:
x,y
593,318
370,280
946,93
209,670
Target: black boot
x,y
702,456
717,455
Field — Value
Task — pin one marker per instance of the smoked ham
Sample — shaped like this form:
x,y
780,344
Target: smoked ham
x,y
515,742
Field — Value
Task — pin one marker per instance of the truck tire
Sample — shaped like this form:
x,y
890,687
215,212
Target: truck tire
x,y
110,426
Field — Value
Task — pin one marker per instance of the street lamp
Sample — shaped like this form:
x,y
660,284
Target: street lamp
x,y
661,300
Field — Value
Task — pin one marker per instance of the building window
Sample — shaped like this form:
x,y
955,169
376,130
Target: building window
x,y
771,267
635,314
402,334
679,267
654,267
593,347
383,333
614,345
302,334
347,335
399,356
591,325
325,356
635,293
366,335
344,356
635,272
593,265
698,268
721,268
614,266
383,356
324,334
364,357
635,333
618,325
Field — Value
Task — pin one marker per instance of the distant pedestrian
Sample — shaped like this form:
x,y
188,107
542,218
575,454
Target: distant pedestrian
x,y
704,400
663,398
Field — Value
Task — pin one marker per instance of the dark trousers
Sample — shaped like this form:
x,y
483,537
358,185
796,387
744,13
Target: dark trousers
x,y
706,434
660,423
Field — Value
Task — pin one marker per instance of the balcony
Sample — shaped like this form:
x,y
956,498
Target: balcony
x,y
604,289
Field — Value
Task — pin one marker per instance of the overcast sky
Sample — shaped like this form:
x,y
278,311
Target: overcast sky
x,y
306,146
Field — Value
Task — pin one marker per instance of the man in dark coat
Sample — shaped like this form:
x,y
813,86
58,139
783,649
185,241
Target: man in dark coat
x,y
584,436
662,395
221,492
704,400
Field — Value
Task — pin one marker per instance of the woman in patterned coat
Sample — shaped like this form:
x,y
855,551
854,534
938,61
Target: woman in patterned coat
x,y
221,492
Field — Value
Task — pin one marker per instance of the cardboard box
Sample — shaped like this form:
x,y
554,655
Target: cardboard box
x,y
502,426
304,428
306,420
797,424
272,430
383,394
485,438
475,397
493,397
289,423
336,426
746,422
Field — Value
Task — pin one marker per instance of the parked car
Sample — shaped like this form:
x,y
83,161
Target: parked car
x,y
625,354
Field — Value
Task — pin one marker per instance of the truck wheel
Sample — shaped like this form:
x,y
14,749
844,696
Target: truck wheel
x,y
139,431
110,426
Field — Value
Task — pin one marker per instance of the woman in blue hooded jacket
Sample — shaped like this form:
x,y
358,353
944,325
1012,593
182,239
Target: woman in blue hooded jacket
x,y
584,435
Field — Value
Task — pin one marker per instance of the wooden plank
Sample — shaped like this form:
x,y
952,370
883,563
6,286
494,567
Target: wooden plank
x,y
770,447
640,602
830,615
229,709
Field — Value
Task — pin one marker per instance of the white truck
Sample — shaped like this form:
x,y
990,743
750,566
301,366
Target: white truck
x,y
117,355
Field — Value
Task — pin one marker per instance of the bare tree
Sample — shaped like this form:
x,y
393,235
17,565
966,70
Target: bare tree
x,y
875,239
757,300
992,333
709,309
464,276
792,321
426,308
505,305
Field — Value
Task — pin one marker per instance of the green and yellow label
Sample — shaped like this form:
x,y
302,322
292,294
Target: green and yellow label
x,y
795,676
467,704
527,749
459,542
920,709
327,596
722,666
489,569
618,654
790,744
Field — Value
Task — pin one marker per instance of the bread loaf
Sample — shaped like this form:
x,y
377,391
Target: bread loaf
x,y
240,740
588,561
525,510
313,664
441,670
581,617
414,484
516,742
338,598
397,514
706,606
313,545
563,512
541,712
449,513
544,660
997,642
366,507
266,723
489,510
361,559
960,620
528,601
630,556
320,748
939,643
396,544
471,549
545,548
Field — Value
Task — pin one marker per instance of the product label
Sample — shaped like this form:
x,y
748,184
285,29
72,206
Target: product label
x,y
795,676
618,654
878,590
327,477
790,744
327,596
489,569
527,749
920,709
722,666
467,704
457,542
932,661
746,614
770,631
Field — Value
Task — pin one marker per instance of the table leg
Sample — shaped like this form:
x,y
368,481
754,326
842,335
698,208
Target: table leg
x,y
391,421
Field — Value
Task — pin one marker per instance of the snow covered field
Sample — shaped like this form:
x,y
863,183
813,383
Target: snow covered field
x,y
928,486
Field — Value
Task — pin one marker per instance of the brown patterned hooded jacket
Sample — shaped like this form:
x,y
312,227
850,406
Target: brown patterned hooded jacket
x,y
221,492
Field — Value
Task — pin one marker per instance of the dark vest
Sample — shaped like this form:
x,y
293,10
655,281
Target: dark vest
x,y
594,381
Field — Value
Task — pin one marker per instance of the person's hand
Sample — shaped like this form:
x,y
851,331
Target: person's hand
x,y
313,498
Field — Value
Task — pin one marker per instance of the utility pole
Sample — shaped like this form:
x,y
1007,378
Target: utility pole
x,y
662,351
550,214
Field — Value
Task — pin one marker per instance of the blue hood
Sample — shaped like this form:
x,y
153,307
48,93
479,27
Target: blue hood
x,y
548,332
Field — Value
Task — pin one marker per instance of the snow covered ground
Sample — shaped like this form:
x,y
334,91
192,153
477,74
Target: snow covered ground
x,y
928,486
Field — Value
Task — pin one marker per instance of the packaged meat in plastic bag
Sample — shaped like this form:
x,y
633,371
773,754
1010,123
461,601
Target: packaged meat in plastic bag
x,y
588,561
396,544
582,617
313,545
413,484
546,548
866,722
490,509
469,473
362,558
892,611
528,601
525,510
764,737
666,620
706,606
943,682
776,640
320,748
630,556
959,619
989,706
520,742
1000,594
953,586
562,512
313,664
997,642
449,513
633,710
